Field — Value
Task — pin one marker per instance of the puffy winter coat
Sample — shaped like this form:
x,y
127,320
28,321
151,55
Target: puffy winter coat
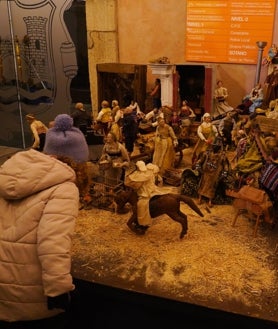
x,y
38,208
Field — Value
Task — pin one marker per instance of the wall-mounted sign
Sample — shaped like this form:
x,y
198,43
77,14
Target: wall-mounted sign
x,y
227,31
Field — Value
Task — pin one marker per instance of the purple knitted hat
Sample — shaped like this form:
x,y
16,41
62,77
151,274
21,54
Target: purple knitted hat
x,y
64,139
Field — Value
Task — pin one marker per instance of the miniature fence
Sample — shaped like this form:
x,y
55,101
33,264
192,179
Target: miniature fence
x,y
102,191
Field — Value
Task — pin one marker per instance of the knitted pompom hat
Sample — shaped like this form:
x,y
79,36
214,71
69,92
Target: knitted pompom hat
x,y
64,139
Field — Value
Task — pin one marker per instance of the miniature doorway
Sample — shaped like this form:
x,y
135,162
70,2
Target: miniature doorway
x,y
123,82
195,86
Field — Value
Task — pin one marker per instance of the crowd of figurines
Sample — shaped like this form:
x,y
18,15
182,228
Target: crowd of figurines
x,y
231,147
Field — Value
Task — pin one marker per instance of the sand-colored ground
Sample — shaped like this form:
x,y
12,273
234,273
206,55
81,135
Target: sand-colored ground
x,y
214,265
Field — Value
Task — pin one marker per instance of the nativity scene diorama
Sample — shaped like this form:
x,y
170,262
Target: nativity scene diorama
x,y
231,147
179,195
226,152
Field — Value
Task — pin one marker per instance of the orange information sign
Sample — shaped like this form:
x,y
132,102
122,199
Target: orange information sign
x,y
227,31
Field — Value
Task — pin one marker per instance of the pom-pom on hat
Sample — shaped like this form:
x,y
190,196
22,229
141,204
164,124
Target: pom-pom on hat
x,y
66,140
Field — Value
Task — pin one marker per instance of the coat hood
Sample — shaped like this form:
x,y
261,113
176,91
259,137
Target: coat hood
x,y
29,172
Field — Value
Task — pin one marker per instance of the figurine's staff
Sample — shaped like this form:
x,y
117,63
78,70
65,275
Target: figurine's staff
x,y
18,59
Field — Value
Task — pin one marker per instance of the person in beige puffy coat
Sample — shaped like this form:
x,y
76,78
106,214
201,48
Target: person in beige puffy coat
x,y
39,202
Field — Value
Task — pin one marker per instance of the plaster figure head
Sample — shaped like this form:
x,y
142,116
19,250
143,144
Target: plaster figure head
x,y
79,106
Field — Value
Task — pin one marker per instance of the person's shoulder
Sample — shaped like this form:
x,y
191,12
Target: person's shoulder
x,y
75,113
88,113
